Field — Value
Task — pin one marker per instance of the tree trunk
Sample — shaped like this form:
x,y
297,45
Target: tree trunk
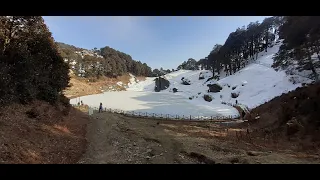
x,y
314,72
267,40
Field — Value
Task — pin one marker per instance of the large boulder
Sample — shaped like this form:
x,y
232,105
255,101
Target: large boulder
x,y
185,81
207,97
201,76
214,88
161,84
235,94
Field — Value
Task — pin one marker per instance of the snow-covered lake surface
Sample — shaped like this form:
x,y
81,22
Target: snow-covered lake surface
x,y
159,103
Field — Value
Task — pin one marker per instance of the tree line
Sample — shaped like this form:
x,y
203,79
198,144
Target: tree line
x,y
301,44
241,45
105,61
30,64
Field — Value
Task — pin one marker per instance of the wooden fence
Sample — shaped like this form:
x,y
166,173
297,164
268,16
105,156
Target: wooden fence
x,y
93,110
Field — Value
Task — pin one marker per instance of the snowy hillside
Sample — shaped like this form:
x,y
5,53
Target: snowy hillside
x,y
255,84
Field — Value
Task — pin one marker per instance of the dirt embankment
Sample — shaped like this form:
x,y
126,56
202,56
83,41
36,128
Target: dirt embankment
x,y
41,133
87,86
291,118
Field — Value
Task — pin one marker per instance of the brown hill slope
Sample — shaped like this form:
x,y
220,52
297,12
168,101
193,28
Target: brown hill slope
x,y
41,133
294,116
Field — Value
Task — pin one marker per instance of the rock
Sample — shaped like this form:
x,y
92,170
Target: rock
x,y
134,144
244,83
129,160
253,153
214,88
190,98
234,87
201,76
148,157
234,95
175,90
293,126
209,79
207,97
185,81
161,84
199,93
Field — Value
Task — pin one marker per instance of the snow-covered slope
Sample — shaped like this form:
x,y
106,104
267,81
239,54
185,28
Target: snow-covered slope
x,y
257,83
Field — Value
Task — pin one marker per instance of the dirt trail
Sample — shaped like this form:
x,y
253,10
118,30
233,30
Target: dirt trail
x,y
115,139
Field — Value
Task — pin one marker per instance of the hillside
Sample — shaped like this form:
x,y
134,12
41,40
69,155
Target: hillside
x,y
254,84
294,114
37,122
105,62
96,71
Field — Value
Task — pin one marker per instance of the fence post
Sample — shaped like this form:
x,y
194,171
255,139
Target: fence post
x,y
146,114
190,117
139,114
211,118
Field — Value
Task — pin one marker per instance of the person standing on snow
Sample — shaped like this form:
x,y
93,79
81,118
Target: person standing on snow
x,y
100,108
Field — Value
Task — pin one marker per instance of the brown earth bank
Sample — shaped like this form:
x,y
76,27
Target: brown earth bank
x,y
87,86
118,139
41,133
292,118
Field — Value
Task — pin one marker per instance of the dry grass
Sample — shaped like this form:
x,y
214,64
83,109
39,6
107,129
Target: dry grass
x,y
141,78
46,137
83,86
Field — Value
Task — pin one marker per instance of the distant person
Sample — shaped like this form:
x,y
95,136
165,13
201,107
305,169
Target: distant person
x,y
243,114
78,103
100,108
81,103
236,101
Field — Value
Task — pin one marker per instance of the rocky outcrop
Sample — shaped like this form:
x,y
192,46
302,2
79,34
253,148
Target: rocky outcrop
x,y
207,97
175,90
185,81
234,95
214,88
201,76
161,84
